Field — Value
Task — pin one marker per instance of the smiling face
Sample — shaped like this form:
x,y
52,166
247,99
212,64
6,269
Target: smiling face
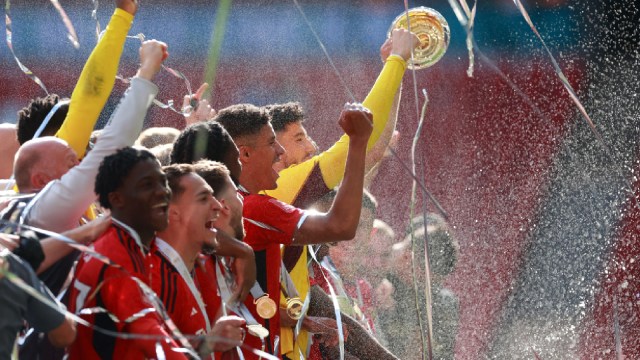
x,y
143,199
261,153
197,210
297,145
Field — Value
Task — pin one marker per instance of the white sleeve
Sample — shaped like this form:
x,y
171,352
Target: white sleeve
x,y
64,202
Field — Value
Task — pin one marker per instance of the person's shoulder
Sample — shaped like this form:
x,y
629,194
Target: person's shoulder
x,y
264,202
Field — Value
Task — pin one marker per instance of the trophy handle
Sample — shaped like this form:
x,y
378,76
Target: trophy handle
x,y
433,31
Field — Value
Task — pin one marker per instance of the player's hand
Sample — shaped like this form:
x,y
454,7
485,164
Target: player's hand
x,y
89,232
356,121
152,54
402,42
385,50
198,109
227,333
130,6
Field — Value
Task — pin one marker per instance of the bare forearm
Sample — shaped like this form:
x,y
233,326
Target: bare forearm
x,y
348,201
359,342
55,249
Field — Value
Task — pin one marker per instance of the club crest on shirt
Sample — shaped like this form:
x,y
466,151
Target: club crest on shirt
x,y
194,311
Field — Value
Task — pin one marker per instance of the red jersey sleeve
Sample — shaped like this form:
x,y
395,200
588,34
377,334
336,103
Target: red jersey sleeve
x,y
280,221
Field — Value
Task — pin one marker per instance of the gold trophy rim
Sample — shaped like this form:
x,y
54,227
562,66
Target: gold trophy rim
x,y
443,28
296,303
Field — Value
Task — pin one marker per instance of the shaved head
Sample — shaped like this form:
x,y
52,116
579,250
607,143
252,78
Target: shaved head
x,y
41,160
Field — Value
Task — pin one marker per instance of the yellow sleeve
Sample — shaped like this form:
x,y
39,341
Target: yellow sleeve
x,y
95,83
379,101
291,180
300,277
332,161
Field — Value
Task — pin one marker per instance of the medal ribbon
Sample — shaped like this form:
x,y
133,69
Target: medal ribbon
x,y
176,260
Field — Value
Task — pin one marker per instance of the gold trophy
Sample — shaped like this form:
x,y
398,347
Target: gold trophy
x,y
433,31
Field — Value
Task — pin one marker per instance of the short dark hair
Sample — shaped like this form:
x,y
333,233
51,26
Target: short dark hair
x,y
114,168
285,114
206,140
243,120
174,173
214,173
31,117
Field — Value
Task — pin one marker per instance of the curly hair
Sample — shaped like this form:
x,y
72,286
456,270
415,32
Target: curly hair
x,y
285,114
115,168
243,120
31,117
214,173
208,140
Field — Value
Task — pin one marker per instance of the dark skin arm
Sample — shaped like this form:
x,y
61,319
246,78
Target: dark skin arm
x,y
341,221
243,264
359,343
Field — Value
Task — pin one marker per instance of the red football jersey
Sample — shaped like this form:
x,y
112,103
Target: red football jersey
x,y
278,223
101,286
176,295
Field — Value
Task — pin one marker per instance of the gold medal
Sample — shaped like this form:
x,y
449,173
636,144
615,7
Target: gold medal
x,y
265,307
294,308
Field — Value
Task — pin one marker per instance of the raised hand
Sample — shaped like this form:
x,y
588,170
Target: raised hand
x,y
152,54
198,109
385,50
402,42
356,121
130,6
89,232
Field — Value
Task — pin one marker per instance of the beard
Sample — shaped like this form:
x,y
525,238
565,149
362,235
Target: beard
x,y
208,249
238,229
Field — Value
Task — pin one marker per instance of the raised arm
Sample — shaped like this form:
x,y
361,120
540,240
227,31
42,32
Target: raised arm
x,y
341,221
97,79
379,100
61,204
